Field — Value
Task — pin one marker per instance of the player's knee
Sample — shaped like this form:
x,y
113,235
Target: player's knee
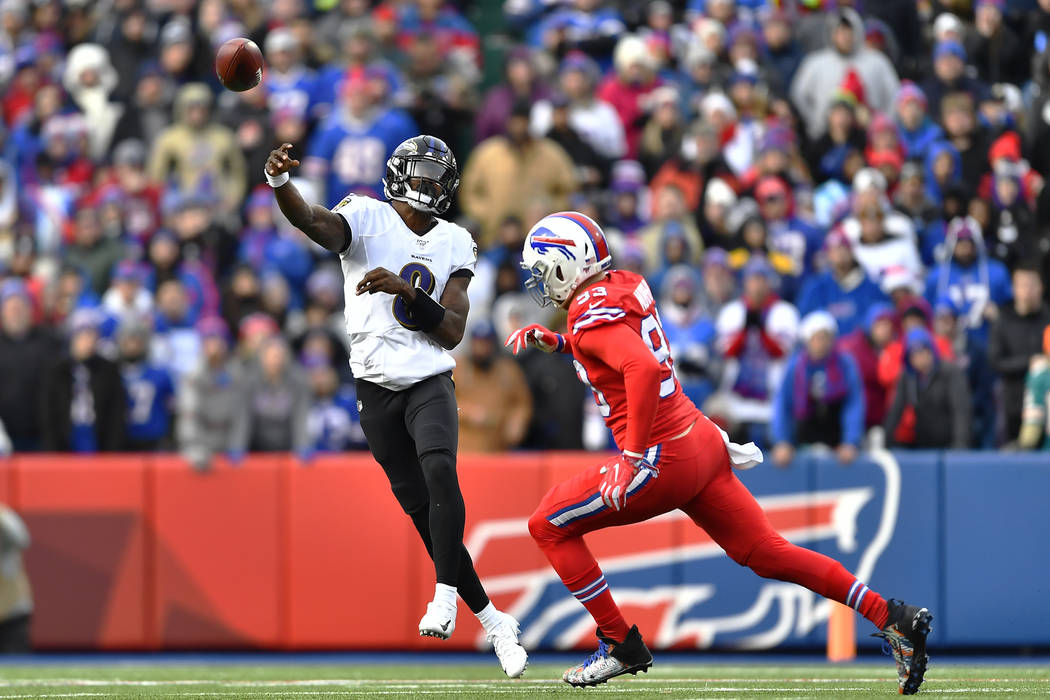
x,y
412,499
764,558
439,467
541,529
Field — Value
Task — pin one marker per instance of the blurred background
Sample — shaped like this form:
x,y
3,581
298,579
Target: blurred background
x,y
840,207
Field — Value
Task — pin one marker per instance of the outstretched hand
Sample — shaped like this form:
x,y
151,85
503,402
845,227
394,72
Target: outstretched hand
x,y
536,336
279,161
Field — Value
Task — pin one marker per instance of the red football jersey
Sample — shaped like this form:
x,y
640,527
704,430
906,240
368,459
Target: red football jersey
x,y
618,344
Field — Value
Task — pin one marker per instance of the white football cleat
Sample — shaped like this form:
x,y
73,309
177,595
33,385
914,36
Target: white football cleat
x,y
439,621
504,639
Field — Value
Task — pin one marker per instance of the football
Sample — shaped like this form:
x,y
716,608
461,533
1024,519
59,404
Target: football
x,y
239,64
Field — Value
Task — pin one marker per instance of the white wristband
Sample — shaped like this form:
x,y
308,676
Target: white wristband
x,y
276,182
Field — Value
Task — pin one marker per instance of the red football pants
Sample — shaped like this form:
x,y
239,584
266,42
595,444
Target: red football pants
x,y
695,477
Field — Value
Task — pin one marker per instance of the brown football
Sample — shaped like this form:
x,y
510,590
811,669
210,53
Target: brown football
x,y
239,64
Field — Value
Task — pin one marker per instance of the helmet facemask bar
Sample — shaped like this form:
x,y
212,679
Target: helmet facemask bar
x,y
546,277
434,184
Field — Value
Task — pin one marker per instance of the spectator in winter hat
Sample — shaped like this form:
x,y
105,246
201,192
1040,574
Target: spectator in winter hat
x,y
207,398
998,52
843,289
90,79
821,399
670,212
520,82
127,297
755,334
26,350
719,200
977,284
274,403
662,136
197,149
932,403
914,126
812,90
865,344
701,159
593,118
912,312
949,66
781,49
965,133
81,397
827,154
793,237
1015,338
629,89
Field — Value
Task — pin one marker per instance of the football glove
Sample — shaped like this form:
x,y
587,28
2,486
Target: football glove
x,y
617,475
538,337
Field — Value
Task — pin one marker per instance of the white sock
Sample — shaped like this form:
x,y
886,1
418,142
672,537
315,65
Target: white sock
x,y
489,617
445,595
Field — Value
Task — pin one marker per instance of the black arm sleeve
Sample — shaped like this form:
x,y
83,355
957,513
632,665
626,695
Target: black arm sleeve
x,y
462,272
347,235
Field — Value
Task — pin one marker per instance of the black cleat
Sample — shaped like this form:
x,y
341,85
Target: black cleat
x,y
611,660
905,632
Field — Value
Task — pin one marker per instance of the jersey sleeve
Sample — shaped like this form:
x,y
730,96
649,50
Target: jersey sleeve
x,y
360,213
464,255
620,347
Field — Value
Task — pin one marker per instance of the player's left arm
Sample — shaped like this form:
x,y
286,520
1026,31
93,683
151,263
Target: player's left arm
x,y
443,321
456,304
620,347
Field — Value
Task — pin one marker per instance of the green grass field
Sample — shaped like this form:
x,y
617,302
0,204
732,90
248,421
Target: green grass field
x,y
670,680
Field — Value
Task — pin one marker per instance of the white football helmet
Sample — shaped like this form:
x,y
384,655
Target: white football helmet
x,y
561,251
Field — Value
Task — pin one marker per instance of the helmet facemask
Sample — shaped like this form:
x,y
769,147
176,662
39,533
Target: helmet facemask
x,y
424,181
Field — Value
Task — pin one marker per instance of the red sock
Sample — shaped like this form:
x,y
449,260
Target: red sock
x,y
581,574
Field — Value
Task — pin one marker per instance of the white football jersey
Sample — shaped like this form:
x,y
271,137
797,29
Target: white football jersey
x,y
384,348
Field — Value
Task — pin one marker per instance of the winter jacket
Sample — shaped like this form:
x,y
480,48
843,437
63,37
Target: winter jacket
x,y
821,73
971,288
495,406
501,179
942,406
196,156
821,402
207,401
102,115
23,362
107,410
271,415
847,299
917,143
1012,342
858,345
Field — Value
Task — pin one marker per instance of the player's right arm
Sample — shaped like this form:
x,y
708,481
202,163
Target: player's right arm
x,y
324,227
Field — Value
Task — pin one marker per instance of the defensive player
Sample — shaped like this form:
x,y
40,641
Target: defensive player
x,y
406,275
672,457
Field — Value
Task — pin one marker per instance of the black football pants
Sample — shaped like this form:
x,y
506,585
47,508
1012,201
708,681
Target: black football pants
x,y
413,434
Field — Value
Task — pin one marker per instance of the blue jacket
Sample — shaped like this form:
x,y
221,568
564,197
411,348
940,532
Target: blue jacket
x,y
917,143
783,426
848,306
933,188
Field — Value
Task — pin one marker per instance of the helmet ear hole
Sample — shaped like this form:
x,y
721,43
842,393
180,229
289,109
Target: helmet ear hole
x,y
558,274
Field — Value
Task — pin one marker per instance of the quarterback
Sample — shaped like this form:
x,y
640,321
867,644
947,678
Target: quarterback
x,y
406,273
672,458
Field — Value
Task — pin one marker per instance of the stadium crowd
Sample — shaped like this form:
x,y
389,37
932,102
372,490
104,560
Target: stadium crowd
x,y
840,205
